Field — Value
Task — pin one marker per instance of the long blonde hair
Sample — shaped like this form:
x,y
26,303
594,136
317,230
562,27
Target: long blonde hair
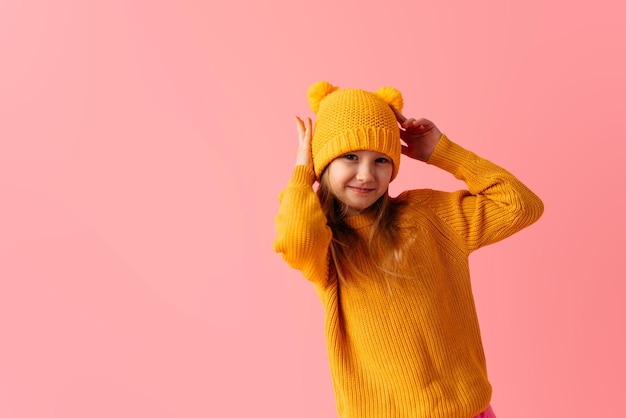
x,y
383,243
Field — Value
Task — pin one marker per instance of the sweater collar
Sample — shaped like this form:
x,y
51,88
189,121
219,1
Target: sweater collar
x,y
360,221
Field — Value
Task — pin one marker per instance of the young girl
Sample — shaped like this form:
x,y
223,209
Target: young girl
x,y
392,273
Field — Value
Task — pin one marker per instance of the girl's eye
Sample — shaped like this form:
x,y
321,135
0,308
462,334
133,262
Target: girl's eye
x,y
351,157
382,160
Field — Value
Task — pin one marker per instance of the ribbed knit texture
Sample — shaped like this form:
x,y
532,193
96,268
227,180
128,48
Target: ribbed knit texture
x,y
409,346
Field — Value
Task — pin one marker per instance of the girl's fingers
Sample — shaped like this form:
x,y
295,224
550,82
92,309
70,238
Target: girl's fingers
x,y
419,125
399,116
301,129
409,123
305,130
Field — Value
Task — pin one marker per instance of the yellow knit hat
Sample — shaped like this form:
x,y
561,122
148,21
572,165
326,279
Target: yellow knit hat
x,y
353,120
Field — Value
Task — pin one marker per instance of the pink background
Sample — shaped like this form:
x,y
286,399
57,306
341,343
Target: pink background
x,y
142,147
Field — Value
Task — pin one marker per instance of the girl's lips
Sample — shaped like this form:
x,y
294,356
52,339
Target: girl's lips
x,y
361,190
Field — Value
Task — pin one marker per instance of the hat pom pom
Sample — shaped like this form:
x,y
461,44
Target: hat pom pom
x,y
317,91
391,96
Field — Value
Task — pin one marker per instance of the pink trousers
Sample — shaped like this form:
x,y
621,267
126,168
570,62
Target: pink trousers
x,y
487,413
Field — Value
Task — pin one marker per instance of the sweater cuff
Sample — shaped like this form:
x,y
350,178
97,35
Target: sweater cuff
x,y
302,176
449,156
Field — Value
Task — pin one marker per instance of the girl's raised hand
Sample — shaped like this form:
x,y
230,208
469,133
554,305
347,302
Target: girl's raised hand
x,y
420,135
305,133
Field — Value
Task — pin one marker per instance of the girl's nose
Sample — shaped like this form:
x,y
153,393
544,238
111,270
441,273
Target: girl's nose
x,y
365,172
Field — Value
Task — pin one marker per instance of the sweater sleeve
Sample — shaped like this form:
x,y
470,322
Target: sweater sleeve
x,y
302,235
496,205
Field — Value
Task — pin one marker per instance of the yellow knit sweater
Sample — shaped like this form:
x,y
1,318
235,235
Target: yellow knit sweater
x,y
408,345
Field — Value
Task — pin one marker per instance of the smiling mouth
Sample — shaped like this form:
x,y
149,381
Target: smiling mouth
x,y
361,190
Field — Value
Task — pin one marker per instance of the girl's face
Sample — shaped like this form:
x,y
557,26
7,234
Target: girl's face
x,y
359,178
